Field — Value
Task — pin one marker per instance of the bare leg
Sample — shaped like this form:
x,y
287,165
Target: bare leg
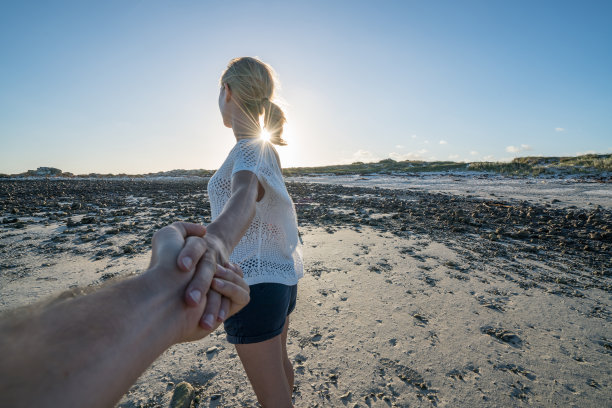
x,y
265,367
286,362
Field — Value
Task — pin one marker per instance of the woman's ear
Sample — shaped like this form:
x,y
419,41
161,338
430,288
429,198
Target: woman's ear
x,y
228,92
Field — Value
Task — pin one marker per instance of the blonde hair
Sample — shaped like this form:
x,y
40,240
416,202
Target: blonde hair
x,y
251,82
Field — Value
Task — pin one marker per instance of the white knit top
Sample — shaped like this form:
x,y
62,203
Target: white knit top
x,y
270,250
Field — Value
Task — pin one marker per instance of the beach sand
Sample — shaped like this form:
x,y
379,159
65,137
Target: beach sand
x,y
408,299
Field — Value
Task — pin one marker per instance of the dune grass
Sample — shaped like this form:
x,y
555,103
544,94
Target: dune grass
x,y
523,166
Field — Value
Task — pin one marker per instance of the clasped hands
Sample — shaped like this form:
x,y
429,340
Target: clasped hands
x,y
194,267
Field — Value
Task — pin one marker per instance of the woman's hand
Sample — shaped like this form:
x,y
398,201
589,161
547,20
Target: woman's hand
x,y
229,286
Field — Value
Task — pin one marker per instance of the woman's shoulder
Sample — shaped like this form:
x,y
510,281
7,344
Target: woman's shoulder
x,y
258,150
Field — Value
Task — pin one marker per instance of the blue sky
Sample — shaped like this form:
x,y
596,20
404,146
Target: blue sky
x,y
132,86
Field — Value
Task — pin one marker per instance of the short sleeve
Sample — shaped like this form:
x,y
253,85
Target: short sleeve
x,y
258,157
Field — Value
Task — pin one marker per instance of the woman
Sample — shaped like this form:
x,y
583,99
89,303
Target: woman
x,y
254,220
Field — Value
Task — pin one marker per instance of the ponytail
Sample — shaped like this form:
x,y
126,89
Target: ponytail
x,y
274,119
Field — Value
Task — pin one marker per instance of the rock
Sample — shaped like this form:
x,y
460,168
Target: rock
x,y
182,396
88,220
70,222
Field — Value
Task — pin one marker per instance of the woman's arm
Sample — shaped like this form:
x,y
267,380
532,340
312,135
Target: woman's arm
x,y
239,211
221,237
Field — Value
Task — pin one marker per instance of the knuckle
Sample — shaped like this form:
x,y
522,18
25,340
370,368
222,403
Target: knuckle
x,y
201,242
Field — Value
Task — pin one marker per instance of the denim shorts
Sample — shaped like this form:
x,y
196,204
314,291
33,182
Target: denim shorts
x,y
264,316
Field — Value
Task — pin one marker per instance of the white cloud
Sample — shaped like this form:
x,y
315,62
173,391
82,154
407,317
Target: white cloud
x,y
453,156
399,147
488,157
426,141
414,136
443,142
474,153
364,156
418,155
518,149
559,129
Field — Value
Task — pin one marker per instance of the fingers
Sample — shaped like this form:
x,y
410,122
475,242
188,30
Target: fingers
x,y
236,293
224,309
235,268
228,282
194,249
188,229
171,238
213,303
200,283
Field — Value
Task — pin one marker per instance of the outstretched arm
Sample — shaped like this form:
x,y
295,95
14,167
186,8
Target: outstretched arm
x,y
221,237
87,350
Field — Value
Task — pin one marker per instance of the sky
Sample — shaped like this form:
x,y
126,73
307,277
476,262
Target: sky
x,y
132,86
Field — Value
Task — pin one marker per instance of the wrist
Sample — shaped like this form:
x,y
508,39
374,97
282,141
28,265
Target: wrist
x,y
216,237
162,304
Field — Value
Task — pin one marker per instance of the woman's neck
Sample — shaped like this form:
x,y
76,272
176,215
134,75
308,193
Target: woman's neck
x,y
245,136
244,128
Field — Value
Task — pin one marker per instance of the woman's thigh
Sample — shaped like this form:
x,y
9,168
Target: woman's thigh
x,y
264,365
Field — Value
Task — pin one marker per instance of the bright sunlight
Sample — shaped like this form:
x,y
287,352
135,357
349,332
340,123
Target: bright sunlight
x,y
265,135
289,154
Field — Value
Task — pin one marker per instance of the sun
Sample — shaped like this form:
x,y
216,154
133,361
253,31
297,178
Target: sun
x,y
265,135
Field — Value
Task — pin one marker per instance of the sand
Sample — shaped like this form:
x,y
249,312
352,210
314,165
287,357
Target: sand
x,y
424,316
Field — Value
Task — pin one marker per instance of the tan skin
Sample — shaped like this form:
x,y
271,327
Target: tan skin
x,y
87,351
266,363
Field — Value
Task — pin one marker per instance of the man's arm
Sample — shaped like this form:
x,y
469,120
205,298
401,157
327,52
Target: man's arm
x,y
88,350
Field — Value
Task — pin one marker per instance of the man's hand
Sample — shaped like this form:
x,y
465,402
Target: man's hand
x,y
181,255
211,252
63,352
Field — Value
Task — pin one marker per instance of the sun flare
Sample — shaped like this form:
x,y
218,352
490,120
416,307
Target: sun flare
x,y
265,135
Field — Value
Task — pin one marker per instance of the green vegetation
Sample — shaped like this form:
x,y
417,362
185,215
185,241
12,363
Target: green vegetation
x,y
586,164
387,166
591,164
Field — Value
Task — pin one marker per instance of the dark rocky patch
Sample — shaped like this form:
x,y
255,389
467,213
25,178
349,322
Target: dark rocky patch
x,y
502,335
576,241
411,377
513,368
